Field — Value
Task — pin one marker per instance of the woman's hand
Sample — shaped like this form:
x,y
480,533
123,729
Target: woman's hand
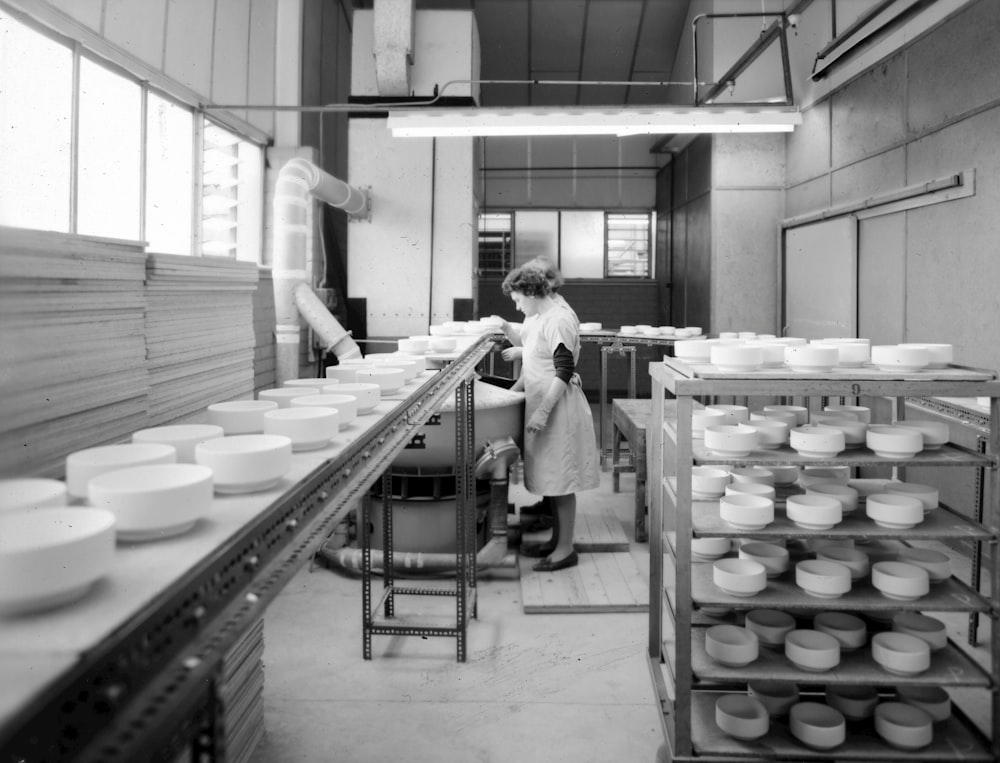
x,y
511,353
538,421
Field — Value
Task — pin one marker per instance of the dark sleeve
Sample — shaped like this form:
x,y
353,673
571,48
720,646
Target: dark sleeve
x,y
563,361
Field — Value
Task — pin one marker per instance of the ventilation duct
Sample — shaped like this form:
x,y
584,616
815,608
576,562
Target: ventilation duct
x,y
393,47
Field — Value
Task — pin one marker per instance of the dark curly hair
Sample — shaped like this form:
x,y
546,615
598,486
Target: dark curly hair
x,y
529,281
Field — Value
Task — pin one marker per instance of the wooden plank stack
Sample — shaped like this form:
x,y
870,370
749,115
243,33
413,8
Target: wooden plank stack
x,y
72,349
264,318
199,333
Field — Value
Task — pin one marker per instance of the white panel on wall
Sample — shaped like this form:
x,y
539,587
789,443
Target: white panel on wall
x,y
820,279
87,12
260,68
455,227
536,234
882,279
582,244
389,258
230,59
188,53
137,28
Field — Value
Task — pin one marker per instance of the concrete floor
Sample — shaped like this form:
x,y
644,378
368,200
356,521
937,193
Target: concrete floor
x,y
539,687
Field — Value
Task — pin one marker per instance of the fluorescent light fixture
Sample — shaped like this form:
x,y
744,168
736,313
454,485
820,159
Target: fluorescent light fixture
x,y
440,123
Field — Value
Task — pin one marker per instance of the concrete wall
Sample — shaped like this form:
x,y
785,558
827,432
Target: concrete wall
x,y
931,110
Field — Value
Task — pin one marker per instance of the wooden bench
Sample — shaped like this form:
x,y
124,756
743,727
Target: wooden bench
x,y
629,419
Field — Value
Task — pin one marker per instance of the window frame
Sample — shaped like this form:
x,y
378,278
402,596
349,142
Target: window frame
x,y
650,244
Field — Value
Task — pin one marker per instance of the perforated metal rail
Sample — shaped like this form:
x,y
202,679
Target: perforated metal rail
x,y
150,691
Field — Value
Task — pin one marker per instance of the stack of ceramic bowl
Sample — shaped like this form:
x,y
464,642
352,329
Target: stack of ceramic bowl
x,y
817,441
900,358
900,581
731,440
816,725
822,578
894,511
731,645
894,442
904,726
814,512
741,717
746,512
812,651
739,577
901,653
812,358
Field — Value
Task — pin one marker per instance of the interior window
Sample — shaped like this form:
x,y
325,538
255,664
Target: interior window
x,y
169,176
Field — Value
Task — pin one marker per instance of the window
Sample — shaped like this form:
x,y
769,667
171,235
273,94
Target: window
x,y
119,159
628,241
34,185
496,250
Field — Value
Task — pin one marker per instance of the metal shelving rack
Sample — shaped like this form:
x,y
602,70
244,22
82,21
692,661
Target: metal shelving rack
x,y
688,682
151,692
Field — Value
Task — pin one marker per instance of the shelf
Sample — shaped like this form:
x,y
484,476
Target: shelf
x,y
949,667
946,455
951,595
954,739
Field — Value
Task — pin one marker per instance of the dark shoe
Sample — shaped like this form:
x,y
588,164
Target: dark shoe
x,y
547,565
536,524
538,550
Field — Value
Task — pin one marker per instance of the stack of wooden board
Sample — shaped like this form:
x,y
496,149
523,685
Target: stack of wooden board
x,y
264,317
72,353
199,333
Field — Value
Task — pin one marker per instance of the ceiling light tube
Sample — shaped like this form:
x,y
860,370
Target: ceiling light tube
x,y
433,123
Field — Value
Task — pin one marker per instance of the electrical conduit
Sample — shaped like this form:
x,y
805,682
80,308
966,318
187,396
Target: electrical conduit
x,y
299,180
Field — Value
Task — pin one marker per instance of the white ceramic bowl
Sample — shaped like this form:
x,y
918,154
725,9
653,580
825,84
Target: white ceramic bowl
x,y
855,432
83,465
594,326
935,433
346,405
709,549
52,556
850,354
739,577
741,717
414,344
704,417
753,474
933,700
240,416
849,630
735,414
693,350
283,396
347,372
938,355
812,650
420,360
813,357
937,563
308,427
814,441
772,354
409,368
771,434
154,501
900,358
368,395
855,701
846,494
813,512
925,627
311,383
790,418
784,475
774,558
731,645
708,482
743,511
823,579
442,343
817,725
894,511
246,463
776,696
182,436
751,488
770,625
901,653
900,581
731,441
736,358
629,330
28,493
860,412
854,559
390,379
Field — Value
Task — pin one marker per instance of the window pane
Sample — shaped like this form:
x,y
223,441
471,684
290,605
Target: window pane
x,y
581,234
109,153
628,245
231,220
169,176
496,255
36,100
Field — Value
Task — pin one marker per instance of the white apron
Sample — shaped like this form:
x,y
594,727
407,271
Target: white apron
x,y
562,458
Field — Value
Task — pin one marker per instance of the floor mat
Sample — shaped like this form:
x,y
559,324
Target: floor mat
x,y
601,582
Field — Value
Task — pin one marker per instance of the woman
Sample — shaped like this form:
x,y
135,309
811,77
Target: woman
x,y
560,446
